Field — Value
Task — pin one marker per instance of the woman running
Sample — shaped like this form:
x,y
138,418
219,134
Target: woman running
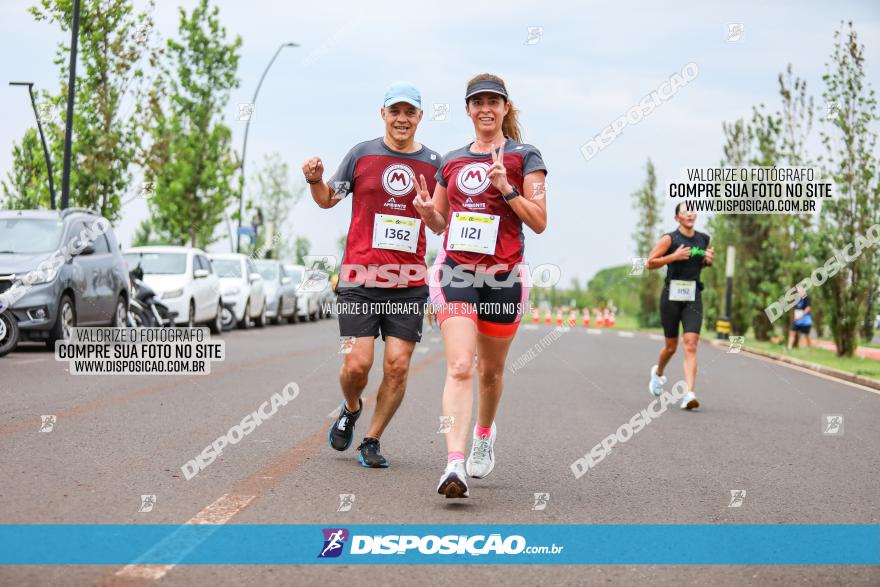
x,y
686,252
485,192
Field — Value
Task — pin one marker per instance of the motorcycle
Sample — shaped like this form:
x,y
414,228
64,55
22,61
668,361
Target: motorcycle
x,y
8,332
145,310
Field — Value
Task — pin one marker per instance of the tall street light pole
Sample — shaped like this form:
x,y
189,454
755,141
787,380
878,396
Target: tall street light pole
x,y
244,146
30,87
71,92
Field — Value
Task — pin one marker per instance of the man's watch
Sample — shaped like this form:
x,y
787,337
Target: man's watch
x,y
514,194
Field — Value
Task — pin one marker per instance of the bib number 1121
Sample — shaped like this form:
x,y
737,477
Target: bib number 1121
x,y
473,232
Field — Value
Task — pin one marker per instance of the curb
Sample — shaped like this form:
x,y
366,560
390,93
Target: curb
x,y
836,373
827,371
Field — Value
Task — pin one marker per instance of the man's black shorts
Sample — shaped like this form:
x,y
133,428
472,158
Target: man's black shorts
x,y
369,311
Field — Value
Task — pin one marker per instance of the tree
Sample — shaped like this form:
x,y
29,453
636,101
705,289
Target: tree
x,y
762,234
191,160
798,245
756,237
647,206
275,197
611,283
113,40
849,141
738,139
301,249
146,235
26,184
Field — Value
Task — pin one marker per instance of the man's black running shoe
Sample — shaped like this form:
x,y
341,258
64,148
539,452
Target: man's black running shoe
x,y
342,431
370,456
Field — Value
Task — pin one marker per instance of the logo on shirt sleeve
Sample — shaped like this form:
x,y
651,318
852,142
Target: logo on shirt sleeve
x,y
472,179
341,189
398,179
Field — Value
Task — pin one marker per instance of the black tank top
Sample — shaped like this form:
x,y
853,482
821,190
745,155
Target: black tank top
x,y
689,269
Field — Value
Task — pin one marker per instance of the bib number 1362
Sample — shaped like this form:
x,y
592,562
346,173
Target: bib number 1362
x,y
397,233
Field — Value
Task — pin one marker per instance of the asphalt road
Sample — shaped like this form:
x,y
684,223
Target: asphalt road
x,y
119,437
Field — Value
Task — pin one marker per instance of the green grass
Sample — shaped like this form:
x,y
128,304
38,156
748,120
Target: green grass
x,y
855,365
631,322
626,322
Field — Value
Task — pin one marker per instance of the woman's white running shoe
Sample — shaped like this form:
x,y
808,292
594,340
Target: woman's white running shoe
x,y
453,483
482,459
657,382
689,401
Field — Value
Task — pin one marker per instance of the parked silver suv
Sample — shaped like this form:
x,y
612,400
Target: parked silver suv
x,y
60,269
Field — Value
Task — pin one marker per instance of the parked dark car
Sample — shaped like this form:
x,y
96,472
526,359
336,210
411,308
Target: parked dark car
x,y
8,332
60,269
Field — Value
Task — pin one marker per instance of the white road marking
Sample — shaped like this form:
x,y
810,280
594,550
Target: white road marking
x,y
222,510
625,334
219,512
593,331
423,349
655,337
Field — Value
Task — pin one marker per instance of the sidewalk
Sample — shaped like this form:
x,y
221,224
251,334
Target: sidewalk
x,y
867,352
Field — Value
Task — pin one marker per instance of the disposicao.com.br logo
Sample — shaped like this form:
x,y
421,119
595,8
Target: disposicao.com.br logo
x,y
431,544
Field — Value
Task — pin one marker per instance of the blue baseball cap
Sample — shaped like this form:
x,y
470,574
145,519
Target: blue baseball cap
x,y
402,92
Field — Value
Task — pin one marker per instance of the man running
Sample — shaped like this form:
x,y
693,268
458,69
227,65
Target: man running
x,y
486,191
381,286
686,252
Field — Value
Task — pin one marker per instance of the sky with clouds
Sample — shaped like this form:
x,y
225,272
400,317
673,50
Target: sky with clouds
x,y
594,60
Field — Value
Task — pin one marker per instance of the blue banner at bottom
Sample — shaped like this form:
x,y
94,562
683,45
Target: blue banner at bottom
x,y
612,544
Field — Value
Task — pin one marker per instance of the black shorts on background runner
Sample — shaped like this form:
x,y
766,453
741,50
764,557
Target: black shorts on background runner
x,y
688,314
370,311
